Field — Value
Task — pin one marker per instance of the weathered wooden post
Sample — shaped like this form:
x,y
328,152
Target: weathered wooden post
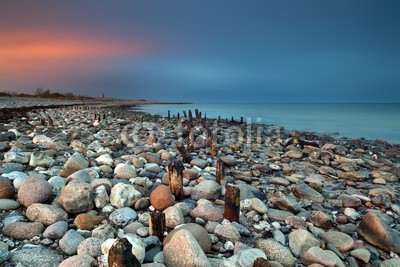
x,y
179,116
261,262
42,120
241,120
190,145
175,169
232,204
190,114
169,115
50,121
184,153
220,173
157,224
184,114
214,146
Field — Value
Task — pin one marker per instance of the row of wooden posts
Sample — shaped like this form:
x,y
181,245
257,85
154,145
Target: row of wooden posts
x,y
232,197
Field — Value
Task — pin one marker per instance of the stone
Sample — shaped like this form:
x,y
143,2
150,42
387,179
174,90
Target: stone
x,y
87,221
120,254
361,254
70,242
227,232
201,163
153,167
259,206
23,230
321,219
83,260
46,214
378,233
161,198
387,176
244,258
207,189
36,257
283,202
101,198
124,195
35,189
125,171
300,241
316,255
4,255
56,230
121,217
90,246
8,204
173,217
198,232
85,175
276,252
76,197
138,247
105,159
353,176
57,183
40,158
307,192
6,191
294,154
341,241
183,250
16,156
229,161
394,262
208,213
350,201
104,231
75,163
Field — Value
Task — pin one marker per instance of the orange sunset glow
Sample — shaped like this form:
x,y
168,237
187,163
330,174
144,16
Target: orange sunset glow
x,y
21,51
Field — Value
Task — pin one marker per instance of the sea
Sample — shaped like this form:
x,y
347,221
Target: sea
x,y
369,121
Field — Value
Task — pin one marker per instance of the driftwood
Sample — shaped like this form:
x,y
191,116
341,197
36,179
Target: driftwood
x,y
50,121
184,153
175,169
220,173
214,146
232,204
157,224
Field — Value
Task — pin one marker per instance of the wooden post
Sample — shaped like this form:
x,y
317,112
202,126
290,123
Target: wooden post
x,y
169,115
184,114
261,262
179,116
196,112
220,173
190,145
157,224
241,120
184,153
175,169
42,120
190,114
214,148
232,203
104,116
50,121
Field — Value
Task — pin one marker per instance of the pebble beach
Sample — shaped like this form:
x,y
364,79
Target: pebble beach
x,y
81,182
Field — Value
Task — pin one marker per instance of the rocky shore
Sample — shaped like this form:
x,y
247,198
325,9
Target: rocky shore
x,y
92,186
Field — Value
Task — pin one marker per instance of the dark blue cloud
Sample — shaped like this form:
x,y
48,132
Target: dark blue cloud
x,y
231,51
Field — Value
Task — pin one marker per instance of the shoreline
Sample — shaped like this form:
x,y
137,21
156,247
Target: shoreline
x,y
101,171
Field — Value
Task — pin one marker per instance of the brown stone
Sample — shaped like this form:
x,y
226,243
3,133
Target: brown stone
x,y
23,230
161,198
86,221
6,191
377,232
35,189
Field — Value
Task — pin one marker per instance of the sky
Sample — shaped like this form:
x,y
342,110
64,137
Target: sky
x,y
204,51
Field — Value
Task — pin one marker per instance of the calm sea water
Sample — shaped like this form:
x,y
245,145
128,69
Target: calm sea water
x,y
371,121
